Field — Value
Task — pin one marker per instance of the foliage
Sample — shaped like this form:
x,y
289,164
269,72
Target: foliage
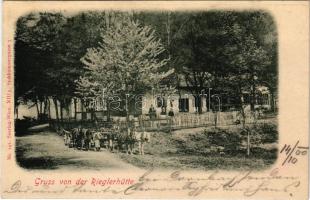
x,y
230,141
192,151
262,133
36,41
128,57
229,51
22,125
48,49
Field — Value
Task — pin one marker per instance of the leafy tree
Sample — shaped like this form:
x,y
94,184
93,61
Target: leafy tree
x,y
48,51
37,37
128,57
231,52
216,46
80,32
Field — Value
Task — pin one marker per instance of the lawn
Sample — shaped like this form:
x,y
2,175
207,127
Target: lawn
x,y
191,149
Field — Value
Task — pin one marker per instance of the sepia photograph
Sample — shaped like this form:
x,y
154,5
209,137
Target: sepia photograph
x,y
146,89
155,99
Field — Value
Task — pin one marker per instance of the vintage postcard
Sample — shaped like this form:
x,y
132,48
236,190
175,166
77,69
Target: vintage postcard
x,y
160,99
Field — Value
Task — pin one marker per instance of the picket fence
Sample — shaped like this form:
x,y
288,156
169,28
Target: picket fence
x,y
182,120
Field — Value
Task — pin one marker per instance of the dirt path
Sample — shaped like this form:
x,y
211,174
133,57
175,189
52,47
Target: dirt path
x,y
46,150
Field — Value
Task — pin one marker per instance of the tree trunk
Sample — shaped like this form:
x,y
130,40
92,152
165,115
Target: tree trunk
x,y
68,115
40,107
272,101
108,110
252,102
242,116
56,108
49,108
82,110
243,120
75,107
168,29
200,104
45,106
38,112
126,104
242,112
61,110
248,143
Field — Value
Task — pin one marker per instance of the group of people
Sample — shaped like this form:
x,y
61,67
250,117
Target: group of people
x,y
110,138
90,139
153,115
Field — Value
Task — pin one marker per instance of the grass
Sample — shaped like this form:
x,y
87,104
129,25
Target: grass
x,y
181,149
189,150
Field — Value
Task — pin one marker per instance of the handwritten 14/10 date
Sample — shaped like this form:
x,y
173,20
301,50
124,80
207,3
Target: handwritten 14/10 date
x,y
293,152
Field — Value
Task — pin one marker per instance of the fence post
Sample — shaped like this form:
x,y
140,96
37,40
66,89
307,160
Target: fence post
x,y
248,142
170,123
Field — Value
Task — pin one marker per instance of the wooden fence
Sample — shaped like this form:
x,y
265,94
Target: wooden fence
x,y
192,121
182,120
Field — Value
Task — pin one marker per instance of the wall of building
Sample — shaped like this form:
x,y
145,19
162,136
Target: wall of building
x,y
172,103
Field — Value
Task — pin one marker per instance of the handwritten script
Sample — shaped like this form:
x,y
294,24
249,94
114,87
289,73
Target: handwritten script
x,y
245,183
293,152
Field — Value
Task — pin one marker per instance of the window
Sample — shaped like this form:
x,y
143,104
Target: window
x,y
197,101
161,103
265,99
183,105
262,99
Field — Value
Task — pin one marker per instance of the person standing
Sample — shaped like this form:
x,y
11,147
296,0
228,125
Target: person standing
x,y
97,137
152,114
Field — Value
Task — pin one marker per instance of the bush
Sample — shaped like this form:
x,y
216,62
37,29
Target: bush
x,y
225,141
264,133
22,125
230,142
210,141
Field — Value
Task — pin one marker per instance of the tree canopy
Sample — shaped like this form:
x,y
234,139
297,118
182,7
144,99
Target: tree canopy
x,y
61,56
128,57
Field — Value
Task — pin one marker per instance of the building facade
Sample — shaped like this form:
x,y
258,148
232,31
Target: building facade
x,y
180,101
